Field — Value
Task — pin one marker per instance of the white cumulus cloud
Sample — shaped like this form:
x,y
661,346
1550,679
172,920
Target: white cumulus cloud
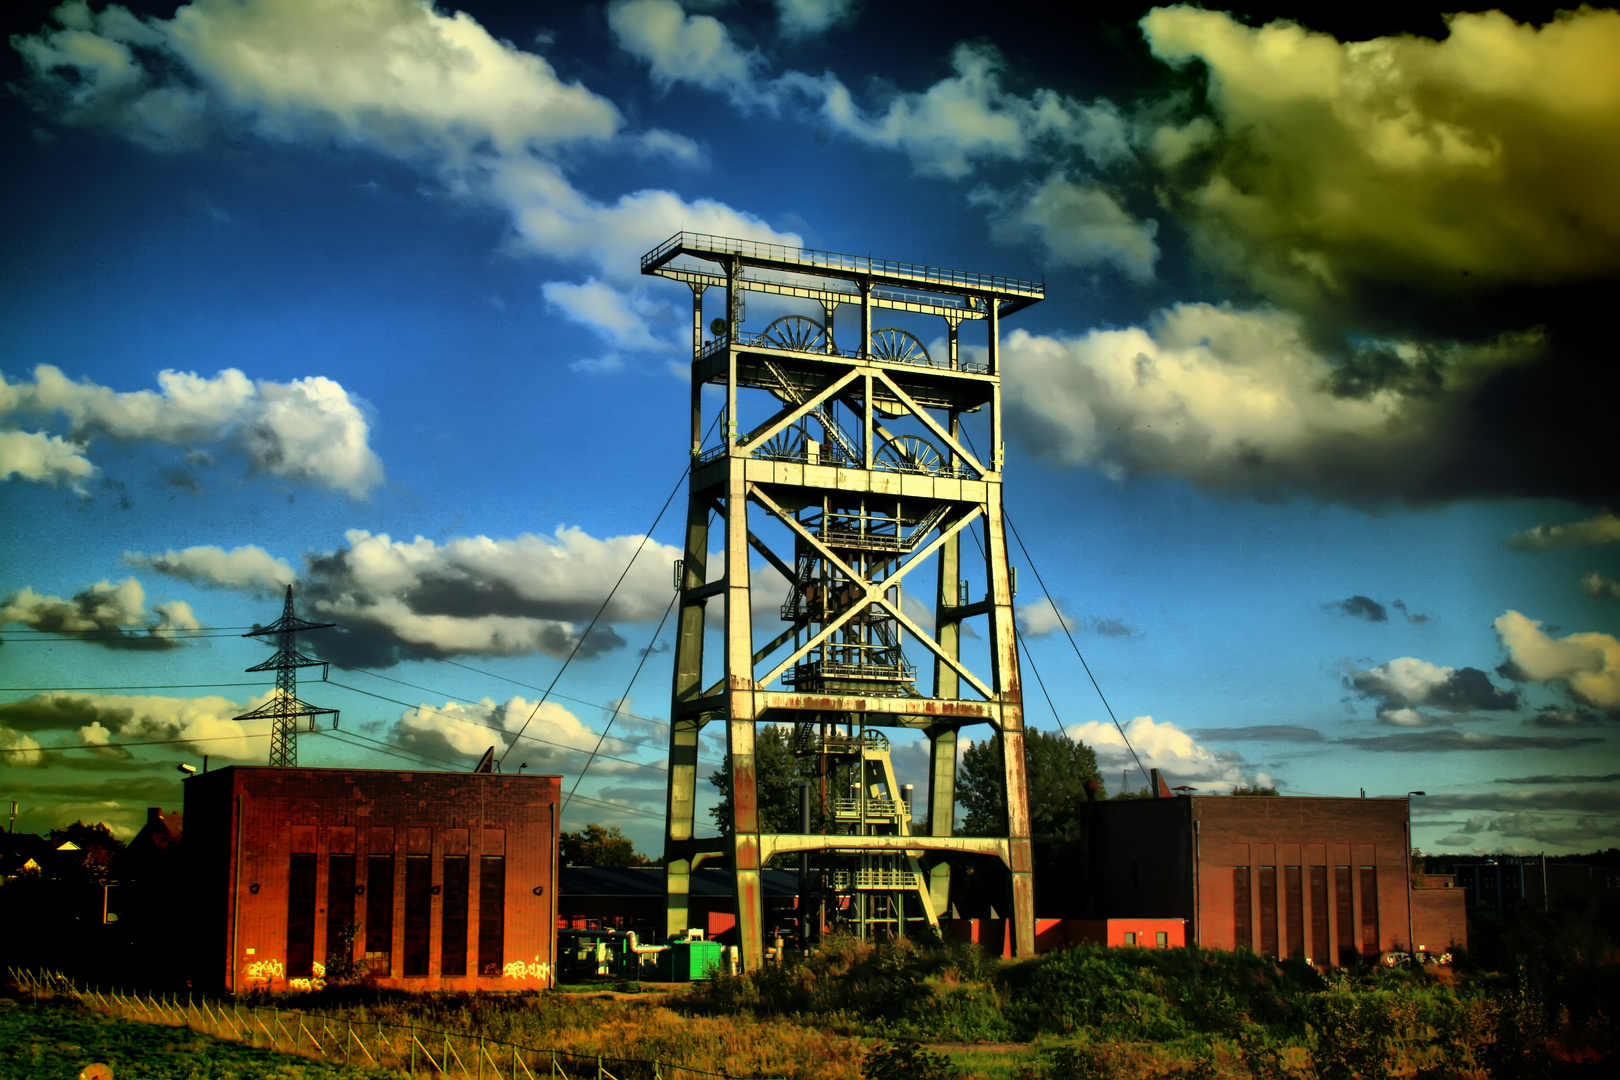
x,y
1243,400
968,117
394,77
248,567
683,48
1489,152
111,615
1081,224
1587,663
618,316
307,430
1163,746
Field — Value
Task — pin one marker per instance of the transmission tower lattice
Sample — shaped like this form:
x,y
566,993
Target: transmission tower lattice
x,y
851,471
283,709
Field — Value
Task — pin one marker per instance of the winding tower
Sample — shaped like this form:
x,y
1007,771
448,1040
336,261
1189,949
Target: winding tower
x,y
839,458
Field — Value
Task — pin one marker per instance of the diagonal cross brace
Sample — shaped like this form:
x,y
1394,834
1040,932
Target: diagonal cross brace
x,y
922,414
873,593
796,413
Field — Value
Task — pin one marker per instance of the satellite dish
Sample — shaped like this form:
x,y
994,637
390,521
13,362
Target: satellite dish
x,y
718,328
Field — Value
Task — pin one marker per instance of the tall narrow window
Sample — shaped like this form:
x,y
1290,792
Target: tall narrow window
x,y
379,913
1242,911
1321,952
453,934
1369,912
1294,893
418,913
1268,910
491,915
301,916
1346,916
339,911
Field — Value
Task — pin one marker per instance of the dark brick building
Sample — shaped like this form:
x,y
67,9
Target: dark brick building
x,y
434,880
1323,878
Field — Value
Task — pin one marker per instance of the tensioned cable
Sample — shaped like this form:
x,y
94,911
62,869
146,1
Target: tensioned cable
x,y
629,687
405,753
1064,624
639,548
494,727
1038,680
121,686
120,745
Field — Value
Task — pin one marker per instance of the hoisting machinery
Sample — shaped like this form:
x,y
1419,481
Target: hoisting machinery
x,y
840,459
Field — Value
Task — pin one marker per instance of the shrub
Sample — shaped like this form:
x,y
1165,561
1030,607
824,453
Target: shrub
x,y
906,1061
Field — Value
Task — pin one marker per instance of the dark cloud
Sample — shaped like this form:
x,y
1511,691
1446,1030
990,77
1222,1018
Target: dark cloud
x,y
1261,733
1447,740
1362,607
1554,716
1411,616
1111,628
1403,687
113,616
61,713
1583,800
1560,778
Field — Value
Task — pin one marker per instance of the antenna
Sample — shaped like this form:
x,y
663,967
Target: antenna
x,y
283,709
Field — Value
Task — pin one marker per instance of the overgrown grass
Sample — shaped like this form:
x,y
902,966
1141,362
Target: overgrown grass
x,y
1112,1012
602,1024
60,1038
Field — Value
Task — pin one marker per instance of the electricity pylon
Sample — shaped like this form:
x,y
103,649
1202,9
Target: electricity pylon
x,y
283,709
853,470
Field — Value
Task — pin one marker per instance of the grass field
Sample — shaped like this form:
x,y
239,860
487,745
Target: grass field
x,y
58,1039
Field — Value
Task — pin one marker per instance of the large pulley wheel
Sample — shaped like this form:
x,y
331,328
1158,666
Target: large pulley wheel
x,y
796,332
910,453
898,346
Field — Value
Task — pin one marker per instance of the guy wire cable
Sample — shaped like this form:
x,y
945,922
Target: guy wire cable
x,y
592,625
617,705
1064,624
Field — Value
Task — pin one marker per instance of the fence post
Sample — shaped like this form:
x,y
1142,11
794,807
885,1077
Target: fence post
x,y
413,1049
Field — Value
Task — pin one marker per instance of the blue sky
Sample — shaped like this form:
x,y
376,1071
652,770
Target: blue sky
x,y
1310,438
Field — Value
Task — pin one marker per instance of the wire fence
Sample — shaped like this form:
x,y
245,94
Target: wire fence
x,y
405,1048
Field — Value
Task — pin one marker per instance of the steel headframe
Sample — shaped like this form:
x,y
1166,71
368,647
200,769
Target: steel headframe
x,y
283,709
863,506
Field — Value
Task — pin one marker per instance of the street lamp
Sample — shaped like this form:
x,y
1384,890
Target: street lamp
x,y
1411,946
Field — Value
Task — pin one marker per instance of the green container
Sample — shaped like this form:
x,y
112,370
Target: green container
x,y
690,961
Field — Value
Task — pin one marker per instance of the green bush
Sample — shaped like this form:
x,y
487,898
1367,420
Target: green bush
x,y
907,1061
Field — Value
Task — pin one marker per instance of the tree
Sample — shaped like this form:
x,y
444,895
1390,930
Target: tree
x,y
598,846
1056,767
777,771
1256,790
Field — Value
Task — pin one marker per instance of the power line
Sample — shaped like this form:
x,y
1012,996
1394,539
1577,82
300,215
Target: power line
x,y
1064,624
630,686
609,599
407,754
125,630
120,686
120,745
494,727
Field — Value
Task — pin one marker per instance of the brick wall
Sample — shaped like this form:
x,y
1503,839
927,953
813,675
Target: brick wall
x,y
275,858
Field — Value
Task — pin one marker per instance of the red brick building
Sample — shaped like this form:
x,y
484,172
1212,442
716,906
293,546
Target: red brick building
x,y
436,880
1324,878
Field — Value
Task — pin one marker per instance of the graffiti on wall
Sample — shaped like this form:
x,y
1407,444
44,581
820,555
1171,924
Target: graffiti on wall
x,y
538,969
267,970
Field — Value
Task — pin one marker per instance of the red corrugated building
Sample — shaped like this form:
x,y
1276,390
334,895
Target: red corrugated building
x,y
446,879
1324,878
